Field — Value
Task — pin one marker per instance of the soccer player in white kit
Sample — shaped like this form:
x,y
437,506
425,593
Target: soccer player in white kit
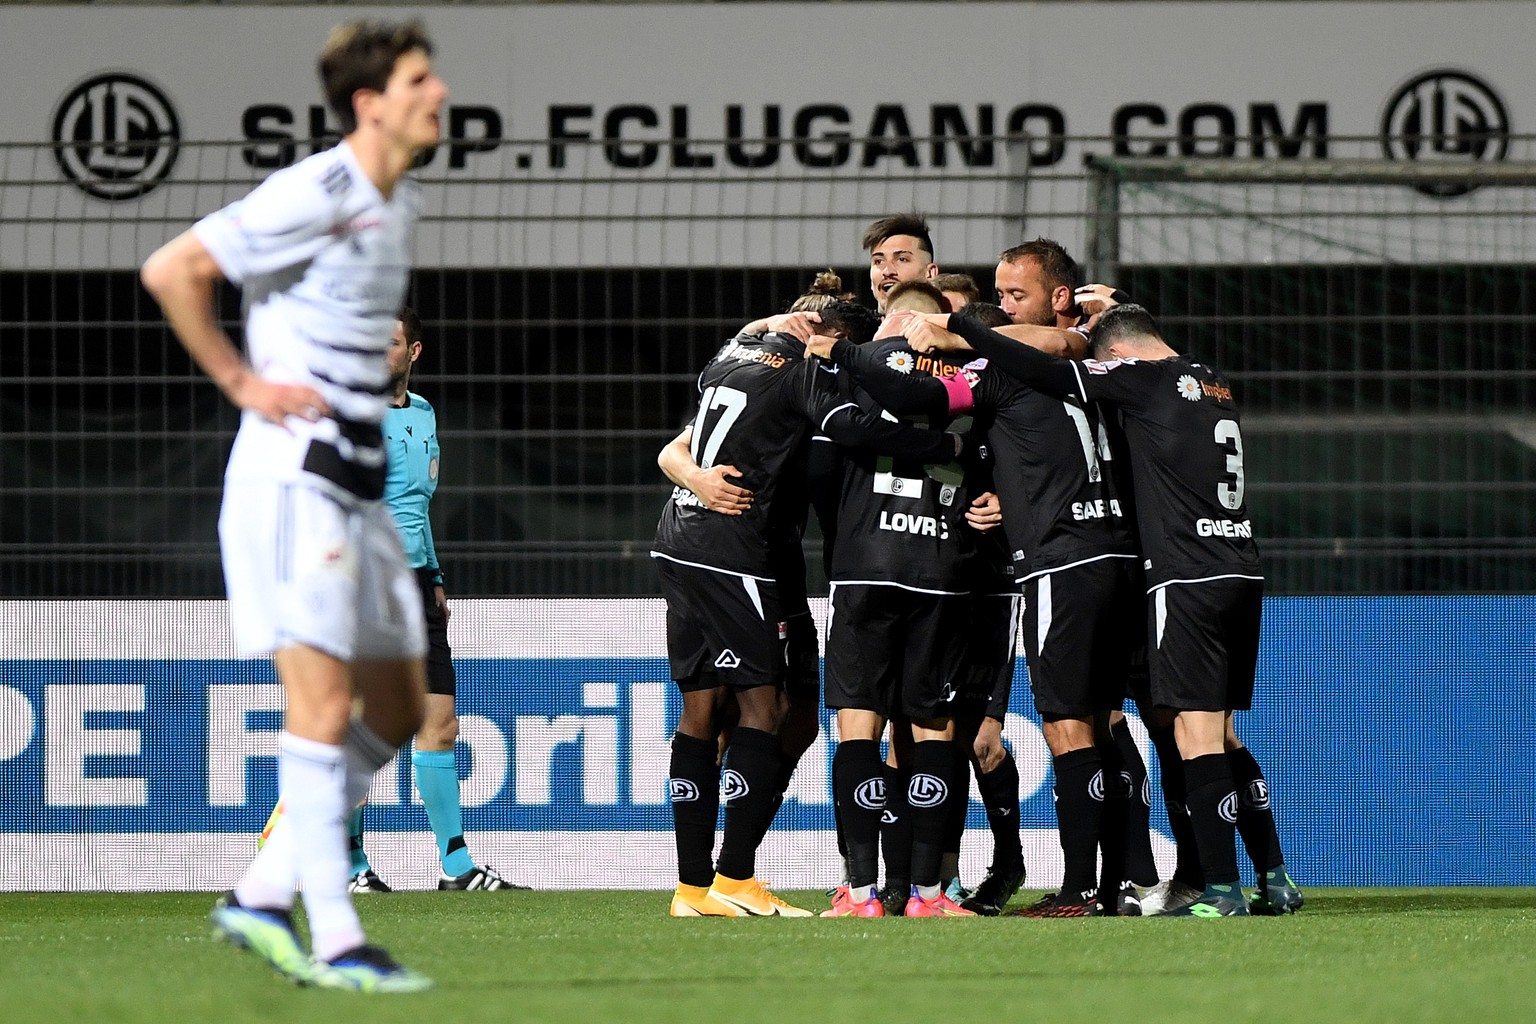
x,y
312,562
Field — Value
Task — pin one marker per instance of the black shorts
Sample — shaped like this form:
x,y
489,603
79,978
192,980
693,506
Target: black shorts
x,y
1139,687
1082,626
802,675
1203,643
722,629
440,675
896,652
990,654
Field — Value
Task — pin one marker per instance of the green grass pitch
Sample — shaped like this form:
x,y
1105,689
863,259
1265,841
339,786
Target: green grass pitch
x,y
1353,955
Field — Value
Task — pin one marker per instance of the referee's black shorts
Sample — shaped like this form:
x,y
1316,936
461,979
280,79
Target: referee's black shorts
x,y
440,675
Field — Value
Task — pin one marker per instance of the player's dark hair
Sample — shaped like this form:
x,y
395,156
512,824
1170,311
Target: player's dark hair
x,y
1130,322
1058,268
361,55
857,323
825,290
962,283
914,224
985,313
919,295
410,320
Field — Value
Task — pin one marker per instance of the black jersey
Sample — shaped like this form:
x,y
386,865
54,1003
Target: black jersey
x,y
761,399
1060,503
1185,440
900,521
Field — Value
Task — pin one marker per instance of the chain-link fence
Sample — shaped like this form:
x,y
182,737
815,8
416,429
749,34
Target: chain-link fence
x,y
1379,336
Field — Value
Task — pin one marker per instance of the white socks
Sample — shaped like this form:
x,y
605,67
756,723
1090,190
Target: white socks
x,y
319,785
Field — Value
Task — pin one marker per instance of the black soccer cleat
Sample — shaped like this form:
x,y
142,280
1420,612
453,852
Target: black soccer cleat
x,y
894,898
994,891
1276,895
367,881
1064,904
481,879
1129,901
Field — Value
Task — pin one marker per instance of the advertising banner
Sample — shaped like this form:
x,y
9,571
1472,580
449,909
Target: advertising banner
x,y
137,753
767,134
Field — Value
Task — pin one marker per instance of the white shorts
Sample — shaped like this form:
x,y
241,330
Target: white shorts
x,y
303,568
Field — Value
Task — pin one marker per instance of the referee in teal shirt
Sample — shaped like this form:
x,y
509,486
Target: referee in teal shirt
x,y
410,439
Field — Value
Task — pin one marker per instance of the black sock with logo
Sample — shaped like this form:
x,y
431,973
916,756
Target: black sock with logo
x,y
999,790
1079,808
1213,816
1255,816
860,787
929,792
747,784
695,792
1140,866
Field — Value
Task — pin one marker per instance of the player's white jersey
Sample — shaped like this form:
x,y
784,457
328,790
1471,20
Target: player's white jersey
x,y
323,259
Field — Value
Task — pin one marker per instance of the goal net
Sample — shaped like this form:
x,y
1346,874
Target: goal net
x,y
1377,316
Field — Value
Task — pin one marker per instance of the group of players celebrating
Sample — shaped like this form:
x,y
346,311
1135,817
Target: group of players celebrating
x,y
1086,487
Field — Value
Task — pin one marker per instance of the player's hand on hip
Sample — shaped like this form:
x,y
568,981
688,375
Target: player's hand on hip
x,y
985,513
441,598
718,494
276,402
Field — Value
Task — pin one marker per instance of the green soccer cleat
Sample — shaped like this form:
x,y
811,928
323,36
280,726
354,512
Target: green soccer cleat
x,y
368,969
1276,895
1215,901
269,933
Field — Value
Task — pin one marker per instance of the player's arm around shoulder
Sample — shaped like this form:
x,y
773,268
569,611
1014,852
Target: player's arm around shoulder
x,y
1063,342
712,486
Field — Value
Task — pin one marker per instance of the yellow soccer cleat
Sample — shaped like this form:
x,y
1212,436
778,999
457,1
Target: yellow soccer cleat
x,y
694,901
751,898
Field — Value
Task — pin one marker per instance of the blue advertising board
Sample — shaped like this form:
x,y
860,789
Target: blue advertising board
x,y
1387,726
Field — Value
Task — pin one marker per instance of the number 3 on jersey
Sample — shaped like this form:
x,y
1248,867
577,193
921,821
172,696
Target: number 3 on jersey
x,y
1230,493
709,432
